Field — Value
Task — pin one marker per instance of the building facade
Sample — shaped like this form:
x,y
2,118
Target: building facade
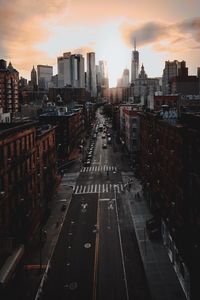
x,y
71,70
171,70
134,64
169,169
91,74
70,126
9,93
27,182
129,128
69,95
45,74
185,85
33,81
144,86
102,79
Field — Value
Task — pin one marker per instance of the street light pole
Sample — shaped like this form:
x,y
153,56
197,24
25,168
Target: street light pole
x,y
40,259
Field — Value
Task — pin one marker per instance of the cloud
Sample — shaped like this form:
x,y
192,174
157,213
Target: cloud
x,y
22,27
145,34
26,26
83,50
164,36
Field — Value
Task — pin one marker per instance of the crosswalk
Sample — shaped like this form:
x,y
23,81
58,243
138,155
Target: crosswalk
x,y
98,188
99,169
69,179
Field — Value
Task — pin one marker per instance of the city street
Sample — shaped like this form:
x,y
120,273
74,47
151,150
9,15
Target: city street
x,y
96,256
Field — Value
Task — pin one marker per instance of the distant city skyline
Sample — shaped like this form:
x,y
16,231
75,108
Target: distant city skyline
x,y
34,33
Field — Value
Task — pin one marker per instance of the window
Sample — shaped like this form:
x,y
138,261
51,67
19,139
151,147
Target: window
x,y
1,156
9,150
15,149
1,184
9,178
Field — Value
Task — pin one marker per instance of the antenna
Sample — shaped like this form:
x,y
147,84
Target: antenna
x,y
134,44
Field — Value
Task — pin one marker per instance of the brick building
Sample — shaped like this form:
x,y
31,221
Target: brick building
x,y
170,100
170,170
69,94
185,85
70,126
27,180
129,127
180,102
9,78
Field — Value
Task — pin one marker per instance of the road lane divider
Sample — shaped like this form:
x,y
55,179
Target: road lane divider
x,y
96,257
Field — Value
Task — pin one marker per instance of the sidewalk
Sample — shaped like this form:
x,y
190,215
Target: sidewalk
x,y
27,281
59,207
161,277
75,154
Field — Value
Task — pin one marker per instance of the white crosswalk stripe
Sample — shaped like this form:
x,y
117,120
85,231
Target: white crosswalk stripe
x,y
104,168
69,179
98,188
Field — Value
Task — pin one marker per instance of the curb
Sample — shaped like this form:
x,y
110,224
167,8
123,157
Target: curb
x,y
48,267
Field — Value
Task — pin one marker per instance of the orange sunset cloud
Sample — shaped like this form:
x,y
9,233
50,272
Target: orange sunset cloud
x,y
36,32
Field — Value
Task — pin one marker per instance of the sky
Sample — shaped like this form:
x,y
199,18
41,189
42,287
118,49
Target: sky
x,y
37,32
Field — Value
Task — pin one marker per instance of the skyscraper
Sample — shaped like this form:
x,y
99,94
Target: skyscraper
x,y
134,63
77,71
33,78
71,70
45,74
91,74
125,78
102,78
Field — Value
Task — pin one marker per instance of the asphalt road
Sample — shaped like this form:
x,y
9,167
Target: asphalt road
x,y
97,256
72,265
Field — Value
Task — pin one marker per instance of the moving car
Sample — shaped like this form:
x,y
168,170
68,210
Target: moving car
x,y
87,163
104,145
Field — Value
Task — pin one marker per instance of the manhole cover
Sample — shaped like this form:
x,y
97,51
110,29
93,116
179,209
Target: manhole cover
x,y
87,245
73,285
